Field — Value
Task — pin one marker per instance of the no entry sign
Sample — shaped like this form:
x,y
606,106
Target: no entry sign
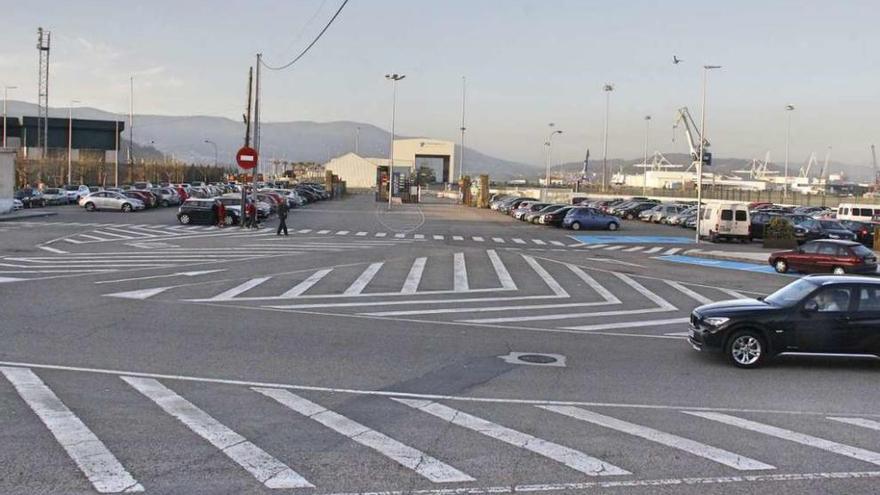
x,y
246,157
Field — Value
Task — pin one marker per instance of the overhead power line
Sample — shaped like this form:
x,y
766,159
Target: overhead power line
x,y
306,50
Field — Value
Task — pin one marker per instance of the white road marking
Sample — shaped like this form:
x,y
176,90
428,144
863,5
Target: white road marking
x,y
518,240
365,277
478,238
52,250
306,284
457,238
596,286
411,285
498,240
557,243
100,466
633,249
93,237
418,461
323,232
793,436
688,292
501,270
630,324
180,274
266,469
654,250
864,423
361,234
438,237
381,234
574,459
409,302
342,232
733,293
539,242
460,278
73,241
672,251
567,316
230,294
595,246
485,309
720,456
545,276
10,279
304,231
400,236
418,236
139,294
111,234
641,289
614,248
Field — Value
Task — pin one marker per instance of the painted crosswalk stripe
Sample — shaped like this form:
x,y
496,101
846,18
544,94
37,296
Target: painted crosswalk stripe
x,y
238,289
306,284
672,251
361,234
381,234
715,454
596,246
411,285
654,250
614,248
498,240
574,459
539,242
418,236
478,238
266,469
792,436
518,240
457,238
97,463
460,278
557,243
111,234
633,249
304,231
864,423
92,237
323,232
501,270
630,324
342,232
733,293
365,277
546,277
596,286
399,236
641,289
407,456
438,237
688,292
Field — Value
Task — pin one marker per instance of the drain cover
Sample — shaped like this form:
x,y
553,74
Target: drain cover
x,y
534,359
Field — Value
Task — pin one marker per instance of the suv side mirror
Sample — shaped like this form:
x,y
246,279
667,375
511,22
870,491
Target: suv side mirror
x,y
811,306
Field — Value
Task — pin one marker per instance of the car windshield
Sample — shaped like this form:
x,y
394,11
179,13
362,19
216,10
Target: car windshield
x,y
861,251
792,293
831,224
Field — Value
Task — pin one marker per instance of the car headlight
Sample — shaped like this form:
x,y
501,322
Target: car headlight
x,y
716,321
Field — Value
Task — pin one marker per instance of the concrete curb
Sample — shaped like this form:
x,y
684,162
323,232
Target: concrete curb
x,y
24,215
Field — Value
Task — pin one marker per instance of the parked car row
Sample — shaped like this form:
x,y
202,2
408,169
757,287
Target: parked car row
x,y
202,210
561,215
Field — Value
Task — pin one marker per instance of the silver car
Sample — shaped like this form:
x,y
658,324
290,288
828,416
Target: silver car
x,y
109,200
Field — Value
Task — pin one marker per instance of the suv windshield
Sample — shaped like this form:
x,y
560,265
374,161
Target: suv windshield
x,y
791,293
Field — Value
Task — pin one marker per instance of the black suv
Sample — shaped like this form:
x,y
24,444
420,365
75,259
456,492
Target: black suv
x,y
30,197
815,314
201,211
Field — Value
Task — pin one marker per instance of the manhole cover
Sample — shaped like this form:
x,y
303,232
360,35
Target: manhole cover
x,y
534,359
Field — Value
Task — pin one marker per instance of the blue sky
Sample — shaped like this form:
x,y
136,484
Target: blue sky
x,y
528,63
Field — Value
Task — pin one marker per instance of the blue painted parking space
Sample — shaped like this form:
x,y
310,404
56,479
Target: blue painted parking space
x,y
724,264
632,239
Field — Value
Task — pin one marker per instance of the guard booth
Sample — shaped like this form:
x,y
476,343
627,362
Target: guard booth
x,y
402,186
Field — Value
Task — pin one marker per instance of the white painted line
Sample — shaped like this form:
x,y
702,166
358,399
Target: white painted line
x,y
411,285
614,248
148,277
361,234
365,277
633,249
733,293
567,316
484,309
478,238
630,324
659,301
4,280
864,423
574,459
460,278
52,250
266,469
111,234
545,276
539,242
688,292
438,237
672,251
97,463
518,240
677,334
596,286
93,237
715,454
342,232
399,236
230,294
306,284
137,234
557,243
406,456
381,234
140,294
418,236
595,246
654,250
322,232
498,240
793,436
457,238
501,270
304,231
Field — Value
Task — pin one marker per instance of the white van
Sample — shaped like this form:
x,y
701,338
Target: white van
x,y
725,221
857,212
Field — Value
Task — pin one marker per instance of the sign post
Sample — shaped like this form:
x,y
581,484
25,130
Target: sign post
x,y
246,158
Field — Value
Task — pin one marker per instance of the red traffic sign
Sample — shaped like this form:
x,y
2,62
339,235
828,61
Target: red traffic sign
x,y
246,157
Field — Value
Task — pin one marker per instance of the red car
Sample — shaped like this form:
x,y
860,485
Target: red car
x,y
826,255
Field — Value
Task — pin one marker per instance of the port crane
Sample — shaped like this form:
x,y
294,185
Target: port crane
x,y
695,137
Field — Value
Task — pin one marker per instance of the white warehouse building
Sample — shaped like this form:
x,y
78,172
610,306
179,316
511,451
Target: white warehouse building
x,y
360,172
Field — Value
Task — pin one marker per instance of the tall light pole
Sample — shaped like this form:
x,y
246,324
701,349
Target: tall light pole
x,y
788,110
463,128
549,144
70,140
357,140
208,141
608,88
706,69
393,78
5,99
645,163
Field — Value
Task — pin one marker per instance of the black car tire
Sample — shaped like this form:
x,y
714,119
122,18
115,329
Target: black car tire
x,y
746,349
229,220
838,270
89,206
575,226
781,266
630,216
126,207
166,203
184,219
612,226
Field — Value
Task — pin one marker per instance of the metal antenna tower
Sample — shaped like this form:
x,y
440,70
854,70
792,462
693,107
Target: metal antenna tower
x,y
43,41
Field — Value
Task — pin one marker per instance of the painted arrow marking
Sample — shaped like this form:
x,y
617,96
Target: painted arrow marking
x,y
180,274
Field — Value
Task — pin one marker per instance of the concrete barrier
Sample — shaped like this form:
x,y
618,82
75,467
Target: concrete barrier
x,y
7,180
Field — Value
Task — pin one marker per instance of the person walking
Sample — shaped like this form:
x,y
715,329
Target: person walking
x,y
221,214
250,212
282,217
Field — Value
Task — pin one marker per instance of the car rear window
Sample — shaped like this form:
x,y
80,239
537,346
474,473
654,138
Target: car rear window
x,y
740,215
861,251
727,214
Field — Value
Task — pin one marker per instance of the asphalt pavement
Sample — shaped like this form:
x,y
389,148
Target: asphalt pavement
x,y
376,350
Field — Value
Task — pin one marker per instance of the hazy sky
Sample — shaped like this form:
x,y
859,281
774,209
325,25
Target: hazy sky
x,y
527,62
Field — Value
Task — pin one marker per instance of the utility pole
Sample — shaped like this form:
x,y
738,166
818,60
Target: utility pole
x,y
247,137
357,140
130,128
5,99
116,153
70,140
645,163
788,109
463,128
256,137
608,88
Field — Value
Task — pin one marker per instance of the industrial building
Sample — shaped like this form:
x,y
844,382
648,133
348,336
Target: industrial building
x,y
409,154
97,136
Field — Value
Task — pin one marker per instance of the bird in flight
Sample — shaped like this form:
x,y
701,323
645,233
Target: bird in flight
x,y
675,60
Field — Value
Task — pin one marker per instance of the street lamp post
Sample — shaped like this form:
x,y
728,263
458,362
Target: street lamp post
x,y
706,69
393,78
5,99
70,140
788,110
645,163
549,144
608,88
208,141
357,140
